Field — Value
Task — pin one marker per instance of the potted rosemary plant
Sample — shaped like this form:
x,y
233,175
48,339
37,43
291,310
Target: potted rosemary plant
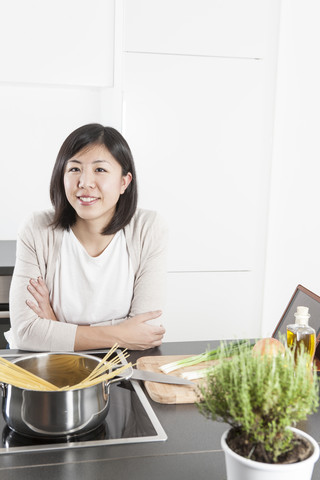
x,y
262,397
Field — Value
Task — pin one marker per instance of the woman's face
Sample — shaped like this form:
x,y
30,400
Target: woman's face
x,y
93,183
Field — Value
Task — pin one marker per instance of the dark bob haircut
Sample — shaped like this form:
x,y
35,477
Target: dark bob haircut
x,y
86,136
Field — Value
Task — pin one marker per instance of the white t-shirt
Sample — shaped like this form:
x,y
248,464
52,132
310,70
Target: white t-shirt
x,y
90,290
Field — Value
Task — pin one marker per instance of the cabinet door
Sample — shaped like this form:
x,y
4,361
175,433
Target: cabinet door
x,y
195,126
58,42
34,122
211,305
230,28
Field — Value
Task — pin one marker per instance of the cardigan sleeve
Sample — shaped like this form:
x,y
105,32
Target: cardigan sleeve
x,y
150,280
28,331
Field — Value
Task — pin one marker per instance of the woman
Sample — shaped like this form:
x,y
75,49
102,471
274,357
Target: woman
x,y
91,272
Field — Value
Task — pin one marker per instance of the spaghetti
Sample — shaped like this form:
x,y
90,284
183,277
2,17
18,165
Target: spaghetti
x,y
105,370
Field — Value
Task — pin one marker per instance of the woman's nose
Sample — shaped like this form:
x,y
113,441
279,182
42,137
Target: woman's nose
x,y
86,180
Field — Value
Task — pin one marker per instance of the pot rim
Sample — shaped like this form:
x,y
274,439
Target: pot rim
x,y
83,355
47,354
272,466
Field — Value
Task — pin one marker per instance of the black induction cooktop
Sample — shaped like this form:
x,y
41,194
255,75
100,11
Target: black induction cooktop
x,y
130,419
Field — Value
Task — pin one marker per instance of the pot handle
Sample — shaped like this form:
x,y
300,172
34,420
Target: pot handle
x,y
3,388
125,376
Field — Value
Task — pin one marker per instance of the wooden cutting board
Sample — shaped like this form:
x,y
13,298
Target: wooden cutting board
x,y
163,392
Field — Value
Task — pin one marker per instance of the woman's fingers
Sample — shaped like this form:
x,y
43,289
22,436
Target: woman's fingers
x,y
34,292
33,307
39,290
144,317
40,293
38,287
136,333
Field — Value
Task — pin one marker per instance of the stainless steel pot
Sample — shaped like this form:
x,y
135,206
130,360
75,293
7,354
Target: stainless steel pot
x,y
57,414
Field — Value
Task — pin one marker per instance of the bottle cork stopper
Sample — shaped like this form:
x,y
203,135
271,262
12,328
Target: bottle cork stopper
x,y
302,315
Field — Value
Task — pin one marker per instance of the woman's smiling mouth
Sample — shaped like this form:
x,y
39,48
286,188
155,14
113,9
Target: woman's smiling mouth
x,y
84,200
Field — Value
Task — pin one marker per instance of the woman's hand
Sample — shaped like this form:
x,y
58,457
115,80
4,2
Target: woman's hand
x,y
40,293
136,334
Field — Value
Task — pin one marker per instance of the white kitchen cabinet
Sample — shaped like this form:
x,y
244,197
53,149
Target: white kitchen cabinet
x,y
210,305
229,28
34,122
57,43
195,128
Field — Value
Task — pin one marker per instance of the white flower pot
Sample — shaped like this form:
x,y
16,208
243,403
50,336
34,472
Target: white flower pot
x,y
240,468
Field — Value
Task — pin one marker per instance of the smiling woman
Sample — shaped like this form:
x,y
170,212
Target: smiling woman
x,y
91,272
87,173
93,183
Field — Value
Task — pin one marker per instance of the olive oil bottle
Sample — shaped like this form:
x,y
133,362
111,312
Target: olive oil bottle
x,y
300,333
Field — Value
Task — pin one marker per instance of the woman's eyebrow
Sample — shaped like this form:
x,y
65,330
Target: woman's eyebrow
x,y
74,160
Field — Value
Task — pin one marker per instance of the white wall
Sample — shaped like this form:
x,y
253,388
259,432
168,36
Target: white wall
x,y
294,227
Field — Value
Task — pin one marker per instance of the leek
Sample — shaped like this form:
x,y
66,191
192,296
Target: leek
x,y
204,357
195,374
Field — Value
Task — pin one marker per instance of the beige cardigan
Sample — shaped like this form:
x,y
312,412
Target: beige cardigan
x,y
38,247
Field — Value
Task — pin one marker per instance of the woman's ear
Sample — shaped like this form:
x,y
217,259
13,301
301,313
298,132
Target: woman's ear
x,y
126,180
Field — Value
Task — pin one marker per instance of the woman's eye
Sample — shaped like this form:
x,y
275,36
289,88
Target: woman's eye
x,y
74,169
100,169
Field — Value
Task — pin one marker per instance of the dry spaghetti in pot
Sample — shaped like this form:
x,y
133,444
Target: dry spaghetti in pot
x,y
105,370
